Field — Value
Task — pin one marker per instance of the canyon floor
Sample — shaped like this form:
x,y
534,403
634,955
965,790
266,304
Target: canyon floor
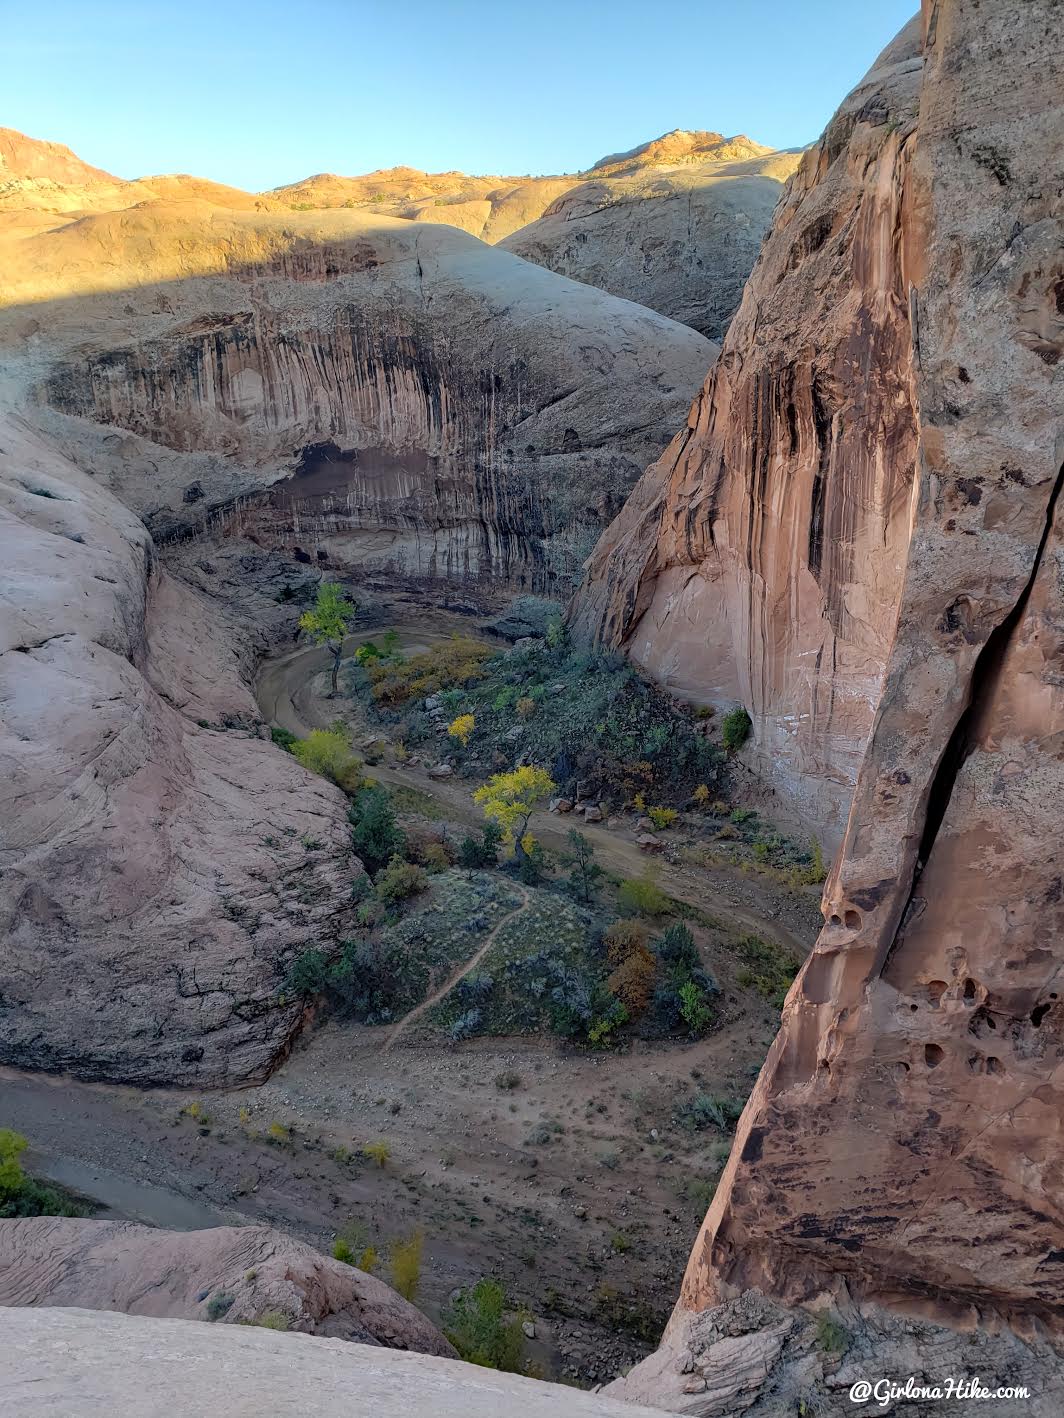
x,y
571,1176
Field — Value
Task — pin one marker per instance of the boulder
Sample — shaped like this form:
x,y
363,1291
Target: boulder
x,y
231,1274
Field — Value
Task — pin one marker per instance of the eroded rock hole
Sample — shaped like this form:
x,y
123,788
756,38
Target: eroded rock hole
x,y
933,1055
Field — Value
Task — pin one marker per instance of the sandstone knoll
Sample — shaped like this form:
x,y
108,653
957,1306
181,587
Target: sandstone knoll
x,y
488,207
675,224
139,1270
460,413
859,534
156,872
69,1361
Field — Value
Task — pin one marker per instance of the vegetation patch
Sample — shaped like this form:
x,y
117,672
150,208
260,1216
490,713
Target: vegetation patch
x,y
476,1323
767,968
26,1196
587,719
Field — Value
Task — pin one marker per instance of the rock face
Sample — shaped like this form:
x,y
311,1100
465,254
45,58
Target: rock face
x,y
904,1137
58,1363
759,561
159,863
439,408
249,1271
676,225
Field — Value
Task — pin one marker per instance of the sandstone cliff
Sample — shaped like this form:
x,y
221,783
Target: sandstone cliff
x,y
467,415
862,539
159,864
138,1270
675,225
759,561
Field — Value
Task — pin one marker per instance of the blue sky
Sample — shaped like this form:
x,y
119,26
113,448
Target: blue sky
x,y
262,94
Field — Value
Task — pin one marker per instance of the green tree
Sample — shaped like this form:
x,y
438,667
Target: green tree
x,y
586,873
511,798
375,837
328,623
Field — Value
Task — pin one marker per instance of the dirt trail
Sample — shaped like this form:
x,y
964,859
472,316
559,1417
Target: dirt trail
x,y
287,697
448,985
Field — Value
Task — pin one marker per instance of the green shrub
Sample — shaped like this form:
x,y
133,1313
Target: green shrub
x,y
641,896
273,1319
475,1323
695,1008
831,1336
735,729
662,817
283,739
475,854
399,880
328,752
308,974
704,1111
767,968
375,835
219,1305
379,1152
25,1196
406,1265
676,946
343,1251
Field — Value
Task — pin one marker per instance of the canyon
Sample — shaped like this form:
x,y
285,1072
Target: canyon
x,y
414,384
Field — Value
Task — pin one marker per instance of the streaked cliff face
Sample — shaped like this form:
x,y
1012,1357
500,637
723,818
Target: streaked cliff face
x,y
860,536
504,412
759,560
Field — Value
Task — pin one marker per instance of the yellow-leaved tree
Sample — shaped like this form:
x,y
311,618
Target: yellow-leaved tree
x,y
511,798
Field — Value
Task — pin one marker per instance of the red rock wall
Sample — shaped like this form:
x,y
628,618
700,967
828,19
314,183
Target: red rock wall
x,y
907,1131
759,560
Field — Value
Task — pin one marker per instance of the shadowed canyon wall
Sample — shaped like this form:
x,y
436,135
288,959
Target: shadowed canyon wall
x,y
906,1136
485,417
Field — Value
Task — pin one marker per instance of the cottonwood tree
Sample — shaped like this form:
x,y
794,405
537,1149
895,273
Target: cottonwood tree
x,y
328,623
510,800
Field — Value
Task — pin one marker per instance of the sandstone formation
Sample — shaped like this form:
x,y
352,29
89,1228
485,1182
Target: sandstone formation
x,y
488,207
676,225
759,561
58,1363
249,1271
860,535
159,863
438,408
